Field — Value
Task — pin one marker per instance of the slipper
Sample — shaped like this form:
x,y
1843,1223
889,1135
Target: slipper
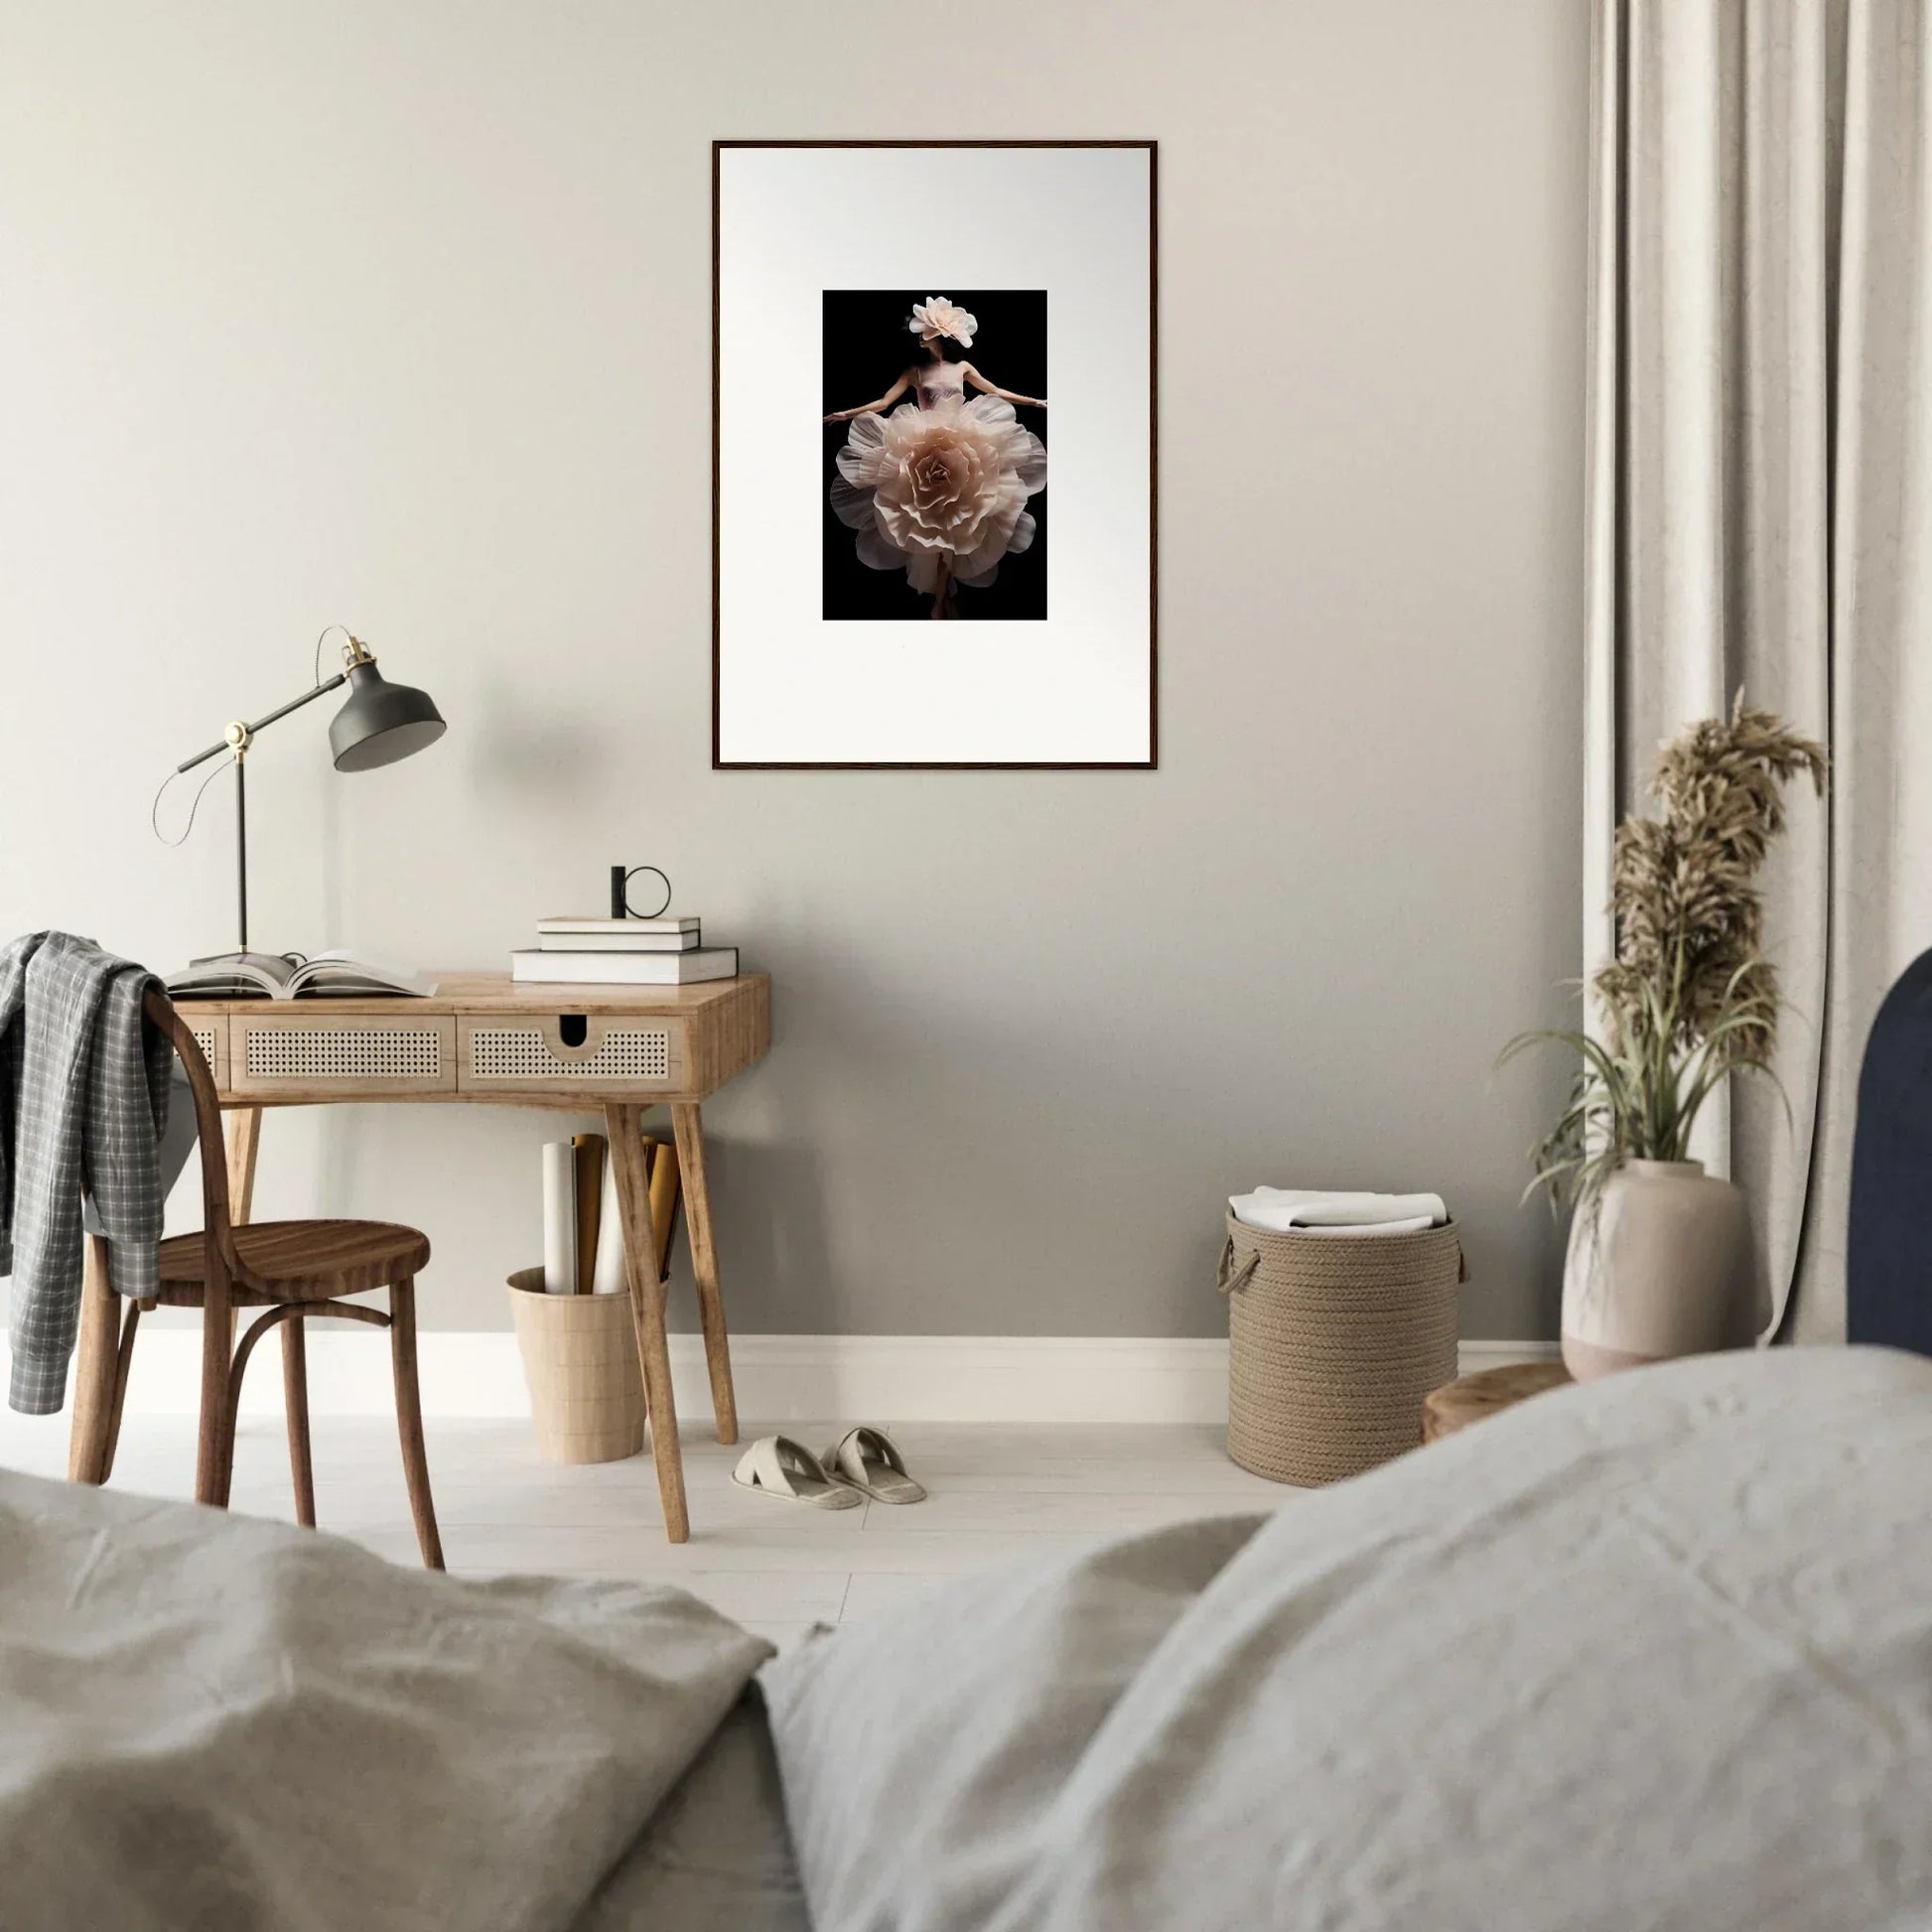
x,y
778,1467
865,1459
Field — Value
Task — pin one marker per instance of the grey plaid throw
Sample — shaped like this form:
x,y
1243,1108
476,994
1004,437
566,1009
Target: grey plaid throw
x,y
84,1098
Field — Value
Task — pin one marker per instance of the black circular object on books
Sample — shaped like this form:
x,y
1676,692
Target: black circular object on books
x,y
636,912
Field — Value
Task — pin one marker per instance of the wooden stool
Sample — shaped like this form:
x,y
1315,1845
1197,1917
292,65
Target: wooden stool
x,y
1487,1393
294,1271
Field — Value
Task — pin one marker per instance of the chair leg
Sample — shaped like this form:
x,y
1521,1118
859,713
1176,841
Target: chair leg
x,y
93,1370
409,1418
295,1399
215,1446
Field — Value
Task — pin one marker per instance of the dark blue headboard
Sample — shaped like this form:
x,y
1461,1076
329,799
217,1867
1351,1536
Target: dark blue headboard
x,y
1888,1251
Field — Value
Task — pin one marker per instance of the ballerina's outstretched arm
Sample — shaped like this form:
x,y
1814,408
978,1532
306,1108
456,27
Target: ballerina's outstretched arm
x,y
885,401
979,381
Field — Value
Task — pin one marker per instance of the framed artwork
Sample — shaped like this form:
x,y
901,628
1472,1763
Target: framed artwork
x,y
933,453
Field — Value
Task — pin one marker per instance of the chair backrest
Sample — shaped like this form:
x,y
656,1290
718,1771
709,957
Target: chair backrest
x,y
218,1229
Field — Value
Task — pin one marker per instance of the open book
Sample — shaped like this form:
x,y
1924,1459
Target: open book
x,y
292,976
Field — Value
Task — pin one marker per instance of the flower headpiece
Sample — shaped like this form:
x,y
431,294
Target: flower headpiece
x,y
939,314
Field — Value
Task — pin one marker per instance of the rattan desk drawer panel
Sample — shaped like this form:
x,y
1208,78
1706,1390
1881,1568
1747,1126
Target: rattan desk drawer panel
x,y
318,1052
514,1051
210,1030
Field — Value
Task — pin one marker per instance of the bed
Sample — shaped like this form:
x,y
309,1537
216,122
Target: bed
x,y
1652,1652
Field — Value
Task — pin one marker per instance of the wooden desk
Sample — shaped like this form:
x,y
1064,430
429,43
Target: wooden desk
x,y
484,1041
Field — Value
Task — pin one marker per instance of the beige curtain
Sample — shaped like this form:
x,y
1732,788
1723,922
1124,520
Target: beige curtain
x,y
1759,513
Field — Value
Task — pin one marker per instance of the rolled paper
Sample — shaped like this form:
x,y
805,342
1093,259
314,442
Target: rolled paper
x,y
607,1275
588,1192
559,1218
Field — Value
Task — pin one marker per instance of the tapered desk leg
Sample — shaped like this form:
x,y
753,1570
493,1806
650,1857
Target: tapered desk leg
x,y
244,1132
626,1128
244,1129
214,1450
689,1129
244,1126
123,1368
93,1370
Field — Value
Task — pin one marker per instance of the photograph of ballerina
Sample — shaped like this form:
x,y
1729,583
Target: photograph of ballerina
x,y
935,500
887,468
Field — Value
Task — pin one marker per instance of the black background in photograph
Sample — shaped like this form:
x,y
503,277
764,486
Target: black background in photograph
x,y
867,347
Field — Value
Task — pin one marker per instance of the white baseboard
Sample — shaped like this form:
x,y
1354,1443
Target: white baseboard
x,y
779,1378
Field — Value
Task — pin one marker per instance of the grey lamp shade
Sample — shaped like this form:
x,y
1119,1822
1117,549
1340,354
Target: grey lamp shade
x,y
381,722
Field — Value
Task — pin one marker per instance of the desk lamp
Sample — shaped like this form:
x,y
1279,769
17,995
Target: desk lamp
x,y
378,724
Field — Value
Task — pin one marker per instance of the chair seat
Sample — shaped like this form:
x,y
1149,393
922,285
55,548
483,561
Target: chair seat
x,y
300,1261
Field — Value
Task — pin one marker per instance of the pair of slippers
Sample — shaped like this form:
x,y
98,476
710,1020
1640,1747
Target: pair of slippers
x,y
863,1463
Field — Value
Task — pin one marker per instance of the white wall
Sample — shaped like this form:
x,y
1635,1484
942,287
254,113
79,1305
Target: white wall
x,y
399,315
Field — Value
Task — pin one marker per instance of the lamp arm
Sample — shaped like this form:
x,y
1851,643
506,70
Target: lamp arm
x,y
248,730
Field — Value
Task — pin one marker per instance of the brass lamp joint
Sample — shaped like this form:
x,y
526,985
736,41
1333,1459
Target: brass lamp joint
x,y
356,652
238,737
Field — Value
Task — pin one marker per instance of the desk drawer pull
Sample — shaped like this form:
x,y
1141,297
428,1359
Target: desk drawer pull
x,y
610,1053
344,1052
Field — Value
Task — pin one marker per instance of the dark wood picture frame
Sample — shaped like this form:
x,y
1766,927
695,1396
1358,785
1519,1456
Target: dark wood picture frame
x,y
1151,761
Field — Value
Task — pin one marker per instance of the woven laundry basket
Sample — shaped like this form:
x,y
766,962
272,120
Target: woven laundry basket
x,y
580,1360
1333,1340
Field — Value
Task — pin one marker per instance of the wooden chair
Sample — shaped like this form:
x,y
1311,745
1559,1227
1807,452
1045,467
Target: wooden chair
x,y
292,1270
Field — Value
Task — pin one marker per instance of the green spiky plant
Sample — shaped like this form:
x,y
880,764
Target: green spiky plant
x,y
1689,997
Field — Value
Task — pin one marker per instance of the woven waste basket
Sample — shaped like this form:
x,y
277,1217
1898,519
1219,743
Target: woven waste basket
x,y
1333,1340
580,1360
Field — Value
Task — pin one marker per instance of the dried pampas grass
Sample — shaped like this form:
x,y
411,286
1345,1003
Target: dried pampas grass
x,y
1689,997
1690,920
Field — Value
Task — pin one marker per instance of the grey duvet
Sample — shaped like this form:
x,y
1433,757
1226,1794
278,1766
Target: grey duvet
x,y
217,1723
1651,1654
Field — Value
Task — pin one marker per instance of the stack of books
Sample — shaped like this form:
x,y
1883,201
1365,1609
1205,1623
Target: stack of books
x,y
622,952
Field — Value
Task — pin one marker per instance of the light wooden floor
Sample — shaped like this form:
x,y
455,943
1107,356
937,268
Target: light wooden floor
x,y
998,1492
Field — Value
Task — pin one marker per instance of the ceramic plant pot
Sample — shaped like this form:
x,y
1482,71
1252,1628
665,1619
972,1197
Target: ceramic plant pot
x,y
1658,1266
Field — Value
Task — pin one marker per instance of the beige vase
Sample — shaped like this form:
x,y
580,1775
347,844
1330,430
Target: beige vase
x,y
1659,1265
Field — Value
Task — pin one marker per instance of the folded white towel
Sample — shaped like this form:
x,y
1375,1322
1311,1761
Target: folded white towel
x,y
1357,1230
1314,1210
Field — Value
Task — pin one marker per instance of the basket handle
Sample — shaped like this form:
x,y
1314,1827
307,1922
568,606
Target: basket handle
x,y
1230,1279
